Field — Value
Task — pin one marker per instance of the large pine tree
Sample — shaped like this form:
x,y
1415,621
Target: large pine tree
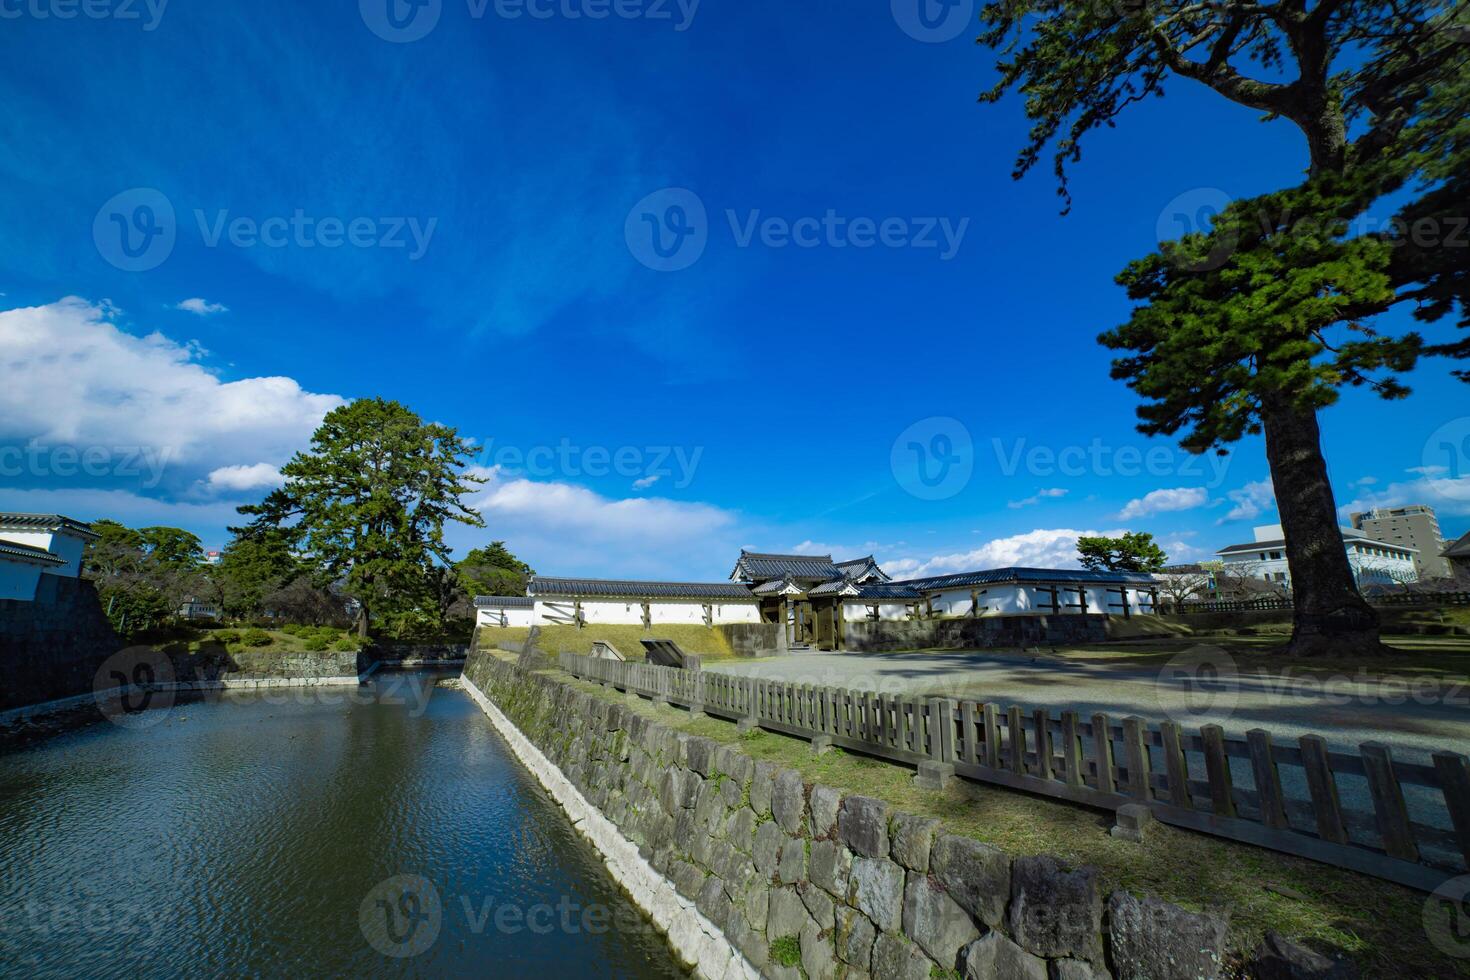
x,y
1254,325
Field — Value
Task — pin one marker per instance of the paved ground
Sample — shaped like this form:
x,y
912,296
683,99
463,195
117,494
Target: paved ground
x,y
1415,717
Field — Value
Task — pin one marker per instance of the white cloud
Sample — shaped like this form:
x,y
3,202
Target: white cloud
x,y
1366,481
1042,548
1429,472
1161,501
643,483
1250,501
201,306
237,478
70,376
562,528
1445,495
1038,497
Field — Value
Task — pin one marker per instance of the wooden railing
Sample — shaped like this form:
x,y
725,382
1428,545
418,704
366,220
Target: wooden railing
x,y
1282,602
1400,821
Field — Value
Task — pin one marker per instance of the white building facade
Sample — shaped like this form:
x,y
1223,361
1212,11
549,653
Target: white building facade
x,y
1374,562
32,545
813,597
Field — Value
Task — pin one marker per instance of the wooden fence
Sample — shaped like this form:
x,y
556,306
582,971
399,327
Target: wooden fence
x,y
1400,821
1282,602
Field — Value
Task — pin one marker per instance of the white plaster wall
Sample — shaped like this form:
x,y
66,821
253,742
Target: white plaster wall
x,y
1028,600
496,616
856,611
18,579
61,545
629,612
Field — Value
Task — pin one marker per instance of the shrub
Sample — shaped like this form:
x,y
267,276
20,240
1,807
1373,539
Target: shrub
x,y
256,638
346,644
226,636
316,644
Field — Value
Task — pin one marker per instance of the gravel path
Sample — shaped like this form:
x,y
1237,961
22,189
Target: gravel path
x,y
1415,717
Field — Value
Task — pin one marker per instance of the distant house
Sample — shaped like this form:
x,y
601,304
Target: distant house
x,y
1373,562
192,608
813,596
32,545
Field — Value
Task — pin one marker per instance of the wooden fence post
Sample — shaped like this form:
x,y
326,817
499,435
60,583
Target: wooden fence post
x,y
1176,765
967,732
1042,721
1102,754
1072,750
989,717
1322,784
1268,779
1136,753
1018,740
1388,802
1217,770
1454,781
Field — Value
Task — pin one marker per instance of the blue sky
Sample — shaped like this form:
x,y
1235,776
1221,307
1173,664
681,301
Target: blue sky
x,y
464,221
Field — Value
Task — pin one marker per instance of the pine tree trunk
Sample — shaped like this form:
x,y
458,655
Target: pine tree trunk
x,y
1331,618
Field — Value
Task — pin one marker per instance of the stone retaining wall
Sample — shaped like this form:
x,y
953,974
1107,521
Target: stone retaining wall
x,y
51,648
968,634
839,885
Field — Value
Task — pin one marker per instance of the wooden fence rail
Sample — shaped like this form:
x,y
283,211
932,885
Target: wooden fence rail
x,y
1365,811
1282,602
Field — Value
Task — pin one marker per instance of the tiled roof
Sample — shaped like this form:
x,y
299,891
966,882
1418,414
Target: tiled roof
x,y
775,586
504,601
26,552
889,591
757,567
46,522
623,589
834,587
857,568
1460,548
997,575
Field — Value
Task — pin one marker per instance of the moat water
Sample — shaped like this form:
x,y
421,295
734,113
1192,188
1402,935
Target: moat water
x,y
381,831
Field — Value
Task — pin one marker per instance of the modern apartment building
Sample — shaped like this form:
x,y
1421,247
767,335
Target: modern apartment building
x,y
1413,526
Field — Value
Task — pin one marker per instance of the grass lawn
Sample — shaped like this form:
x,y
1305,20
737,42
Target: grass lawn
x,y
708,643
1378,923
